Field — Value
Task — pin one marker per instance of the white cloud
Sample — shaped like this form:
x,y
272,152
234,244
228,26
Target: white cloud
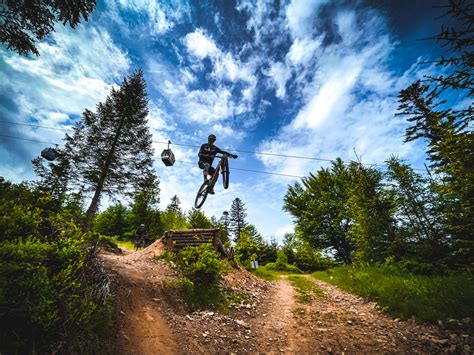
x,y
349,96
68,76
300,15
288,228
200,45
302,51
280,75
161,16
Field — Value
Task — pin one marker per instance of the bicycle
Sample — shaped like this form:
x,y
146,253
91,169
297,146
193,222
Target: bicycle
x,y
139,243
223,166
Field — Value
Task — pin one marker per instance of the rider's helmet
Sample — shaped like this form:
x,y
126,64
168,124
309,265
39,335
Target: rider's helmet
x,y
211,138
142,225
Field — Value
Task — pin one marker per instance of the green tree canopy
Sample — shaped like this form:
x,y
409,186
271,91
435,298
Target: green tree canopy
x,y
237,220
23,22
110,150
320,206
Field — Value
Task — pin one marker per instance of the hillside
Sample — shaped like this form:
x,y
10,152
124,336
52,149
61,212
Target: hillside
x,y
151,317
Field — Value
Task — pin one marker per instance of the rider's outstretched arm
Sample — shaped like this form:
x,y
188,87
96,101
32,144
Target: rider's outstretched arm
x,y
224,152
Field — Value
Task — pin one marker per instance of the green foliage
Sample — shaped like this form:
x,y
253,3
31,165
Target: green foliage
x,y
265,273
448,131
144,209
199,296
24,22
112,221
246,250
371,210
48,297
303,256
281,264
202,269
167,256
251,246
172,220
201,264
403,294
321,209
197,219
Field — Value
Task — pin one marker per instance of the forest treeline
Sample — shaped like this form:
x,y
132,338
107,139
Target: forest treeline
x,y
55,295
425,221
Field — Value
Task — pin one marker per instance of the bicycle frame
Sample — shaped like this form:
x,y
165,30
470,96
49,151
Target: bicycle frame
x,y
215,176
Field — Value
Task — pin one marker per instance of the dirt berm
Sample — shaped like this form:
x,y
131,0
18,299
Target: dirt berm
x,y
151,318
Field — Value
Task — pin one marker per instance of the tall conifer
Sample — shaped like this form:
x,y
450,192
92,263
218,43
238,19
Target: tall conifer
x,y
237,221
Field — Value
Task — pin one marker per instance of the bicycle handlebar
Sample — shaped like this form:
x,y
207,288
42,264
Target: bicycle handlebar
x,y
227,155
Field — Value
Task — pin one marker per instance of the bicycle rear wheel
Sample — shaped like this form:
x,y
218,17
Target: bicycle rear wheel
x,y
225,173
201,195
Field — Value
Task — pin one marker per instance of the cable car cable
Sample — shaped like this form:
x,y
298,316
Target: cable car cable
x,y
236,150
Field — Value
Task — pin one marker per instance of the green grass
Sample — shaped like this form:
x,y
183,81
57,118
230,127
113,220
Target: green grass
x,y
429,298
264,273
125,244
307,290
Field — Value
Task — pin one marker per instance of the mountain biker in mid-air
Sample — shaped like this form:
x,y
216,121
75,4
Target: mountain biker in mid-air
x,y
206,156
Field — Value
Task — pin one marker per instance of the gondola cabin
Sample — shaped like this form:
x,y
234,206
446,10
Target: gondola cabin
x,y
49,153
167,156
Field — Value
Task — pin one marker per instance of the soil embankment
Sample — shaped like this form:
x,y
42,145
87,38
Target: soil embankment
x,y
152,320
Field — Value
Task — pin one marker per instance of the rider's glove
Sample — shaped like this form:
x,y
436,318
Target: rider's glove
x,y
235,156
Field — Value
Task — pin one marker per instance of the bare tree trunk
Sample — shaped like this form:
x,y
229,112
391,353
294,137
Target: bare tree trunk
x,y
91,211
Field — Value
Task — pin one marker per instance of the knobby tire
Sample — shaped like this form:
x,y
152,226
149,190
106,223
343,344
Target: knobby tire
x,y
225,173
201,195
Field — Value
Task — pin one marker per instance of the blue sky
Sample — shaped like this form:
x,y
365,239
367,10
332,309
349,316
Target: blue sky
x,y
312,78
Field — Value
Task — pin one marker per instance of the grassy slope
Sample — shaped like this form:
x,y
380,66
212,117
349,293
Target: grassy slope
x,y
429,298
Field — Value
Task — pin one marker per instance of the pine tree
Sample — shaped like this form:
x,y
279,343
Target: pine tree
x,y
175,205
451,156
110,150
448,131
54,177
197,219
237,221
21,22
144,209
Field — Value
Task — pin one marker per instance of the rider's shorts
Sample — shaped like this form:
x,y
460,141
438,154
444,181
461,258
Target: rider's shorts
x,y
206,167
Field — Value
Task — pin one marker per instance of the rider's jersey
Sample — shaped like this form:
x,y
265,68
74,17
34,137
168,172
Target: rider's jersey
x,y
208,152
140,233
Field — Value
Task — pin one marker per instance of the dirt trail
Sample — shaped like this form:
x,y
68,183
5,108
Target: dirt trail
x,y
270,320
278,330
142,328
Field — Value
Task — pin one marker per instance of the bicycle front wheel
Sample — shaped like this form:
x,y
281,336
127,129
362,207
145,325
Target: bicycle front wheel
x,y
201,195
225,173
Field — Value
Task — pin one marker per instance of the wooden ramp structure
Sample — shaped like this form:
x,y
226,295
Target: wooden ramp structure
x,y
175,240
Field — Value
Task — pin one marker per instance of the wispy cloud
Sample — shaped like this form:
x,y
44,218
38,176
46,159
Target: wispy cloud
x,y
52,89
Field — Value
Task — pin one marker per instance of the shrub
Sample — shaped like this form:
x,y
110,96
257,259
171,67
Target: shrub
x,y
281,264
201,264
199,296
50,301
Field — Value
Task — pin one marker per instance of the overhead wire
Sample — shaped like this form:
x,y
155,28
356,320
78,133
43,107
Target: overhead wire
x,y
228,148
180,161
253,171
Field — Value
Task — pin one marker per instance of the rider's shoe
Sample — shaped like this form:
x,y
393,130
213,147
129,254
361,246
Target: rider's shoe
x,y
211,191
